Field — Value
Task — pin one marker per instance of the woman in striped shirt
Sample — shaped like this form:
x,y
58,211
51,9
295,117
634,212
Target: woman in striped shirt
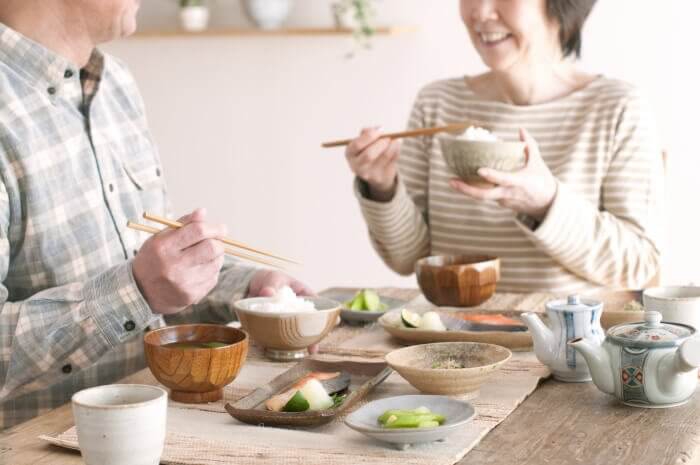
x,y
581,215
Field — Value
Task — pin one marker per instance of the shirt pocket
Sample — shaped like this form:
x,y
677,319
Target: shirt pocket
x,y
148,186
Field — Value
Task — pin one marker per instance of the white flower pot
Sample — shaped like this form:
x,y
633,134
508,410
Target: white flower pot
x,y
344,17
194,18
268,14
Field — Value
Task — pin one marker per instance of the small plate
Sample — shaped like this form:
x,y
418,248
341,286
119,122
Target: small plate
x,y
358,317
457,413
364,376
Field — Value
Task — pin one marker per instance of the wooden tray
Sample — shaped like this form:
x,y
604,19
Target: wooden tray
x,y
363,378
514,340
614,303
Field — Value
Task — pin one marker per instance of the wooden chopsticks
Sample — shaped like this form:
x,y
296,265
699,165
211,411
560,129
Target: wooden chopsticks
x,y
457,127
228,250
240,245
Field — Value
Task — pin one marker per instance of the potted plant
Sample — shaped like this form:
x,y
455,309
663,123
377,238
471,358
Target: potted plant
x,y
357,15
194,15
268,14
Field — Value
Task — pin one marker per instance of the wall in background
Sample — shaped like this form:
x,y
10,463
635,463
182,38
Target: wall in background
x,y
239,120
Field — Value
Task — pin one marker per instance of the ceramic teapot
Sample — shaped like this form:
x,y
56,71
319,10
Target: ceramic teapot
x,y
646,364
568,319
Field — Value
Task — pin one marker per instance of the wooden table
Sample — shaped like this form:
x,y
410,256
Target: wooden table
x,y
559,423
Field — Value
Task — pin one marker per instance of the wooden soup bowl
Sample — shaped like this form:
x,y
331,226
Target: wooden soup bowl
x,y
196,375
459,280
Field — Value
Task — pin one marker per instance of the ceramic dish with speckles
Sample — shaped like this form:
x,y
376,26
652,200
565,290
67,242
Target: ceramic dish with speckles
x,y
449,368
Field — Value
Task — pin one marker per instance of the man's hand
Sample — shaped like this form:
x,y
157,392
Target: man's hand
x,y
266,283
178,267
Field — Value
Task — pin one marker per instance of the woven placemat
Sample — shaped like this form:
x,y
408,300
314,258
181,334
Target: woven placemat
x,y
205,435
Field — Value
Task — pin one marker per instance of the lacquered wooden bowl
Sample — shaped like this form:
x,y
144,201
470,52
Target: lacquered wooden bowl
x,y
196,375
423,366
465,157
459,280
285,336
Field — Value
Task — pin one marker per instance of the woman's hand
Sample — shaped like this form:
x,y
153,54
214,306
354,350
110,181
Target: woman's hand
x,y
373,159
530,190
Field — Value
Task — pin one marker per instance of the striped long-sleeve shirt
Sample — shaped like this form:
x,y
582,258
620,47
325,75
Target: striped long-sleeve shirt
x,y
76,162
603,226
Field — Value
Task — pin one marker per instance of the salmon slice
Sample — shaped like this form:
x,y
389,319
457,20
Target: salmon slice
x,y
276,403
489,319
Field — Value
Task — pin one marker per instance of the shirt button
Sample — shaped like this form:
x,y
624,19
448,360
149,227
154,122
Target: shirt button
x,y
67,368
68,74
111,187
51,90
129,325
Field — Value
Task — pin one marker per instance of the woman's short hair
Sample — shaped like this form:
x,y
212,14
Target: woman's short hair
x,y
570,14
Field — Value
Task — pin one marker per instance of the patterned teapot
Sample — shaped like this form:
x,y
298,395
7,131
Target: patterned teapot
x,y
646,364
568,319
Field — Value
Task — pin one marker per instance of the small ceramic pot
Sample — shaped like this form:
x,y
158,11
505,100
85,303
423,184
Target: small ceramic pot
x,y
268,14
121,424
194,18
569,319
677,304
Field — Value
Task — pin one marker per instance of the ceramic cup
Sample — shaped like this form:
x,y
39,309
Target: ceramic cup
x,y
677,304
121,424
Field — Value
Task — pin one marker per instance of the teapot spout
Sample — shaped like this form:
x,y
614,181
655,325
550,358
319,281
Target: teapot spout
x,y
542,337
598,362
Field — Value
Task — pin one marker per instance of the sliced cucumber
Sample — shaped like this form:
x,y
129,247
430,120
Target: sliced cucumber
x,y
410,319
297,403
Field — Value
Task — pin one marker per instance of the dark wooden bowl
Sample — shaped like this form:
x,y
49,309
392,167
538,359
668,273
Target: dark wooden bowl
x,y
196,375
459,280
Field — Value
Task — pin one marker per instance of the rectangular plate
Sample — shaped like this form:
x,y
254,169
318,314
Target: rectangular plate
x,y
363,378
514,340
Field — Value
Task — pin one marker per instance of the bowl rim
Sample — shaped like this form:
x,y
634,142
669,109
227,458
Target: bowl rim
x,y
483,259
337,306
508,354
513,143
246,336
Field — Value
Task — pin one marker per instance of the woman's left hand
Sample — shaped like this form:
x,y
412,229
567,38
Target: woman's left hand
x,y
530,190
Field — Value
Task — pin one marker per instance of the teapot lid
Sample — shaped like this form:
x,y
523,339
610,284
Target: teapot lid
x,y
573,303
651,332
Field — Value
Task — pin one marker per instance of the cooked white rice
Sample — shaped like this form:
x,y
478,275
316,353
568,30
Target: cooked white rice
x,y
481,134
285,301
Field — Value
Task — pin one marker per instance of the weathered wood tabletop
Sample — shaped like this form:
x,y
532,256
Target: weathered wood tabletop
x,y
558,424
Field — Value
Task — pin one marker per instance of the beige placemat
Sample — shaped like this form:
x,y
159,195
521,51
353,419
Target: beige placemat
x,y
373,342
205,435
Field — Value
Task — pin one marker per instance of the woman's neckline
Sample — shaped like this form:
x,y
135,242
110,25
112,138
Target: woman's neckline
x,y
574,93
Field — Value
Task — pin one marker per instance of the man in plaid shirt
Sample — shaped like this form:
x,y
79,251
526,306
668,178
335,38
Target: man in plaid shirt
x,y
76,162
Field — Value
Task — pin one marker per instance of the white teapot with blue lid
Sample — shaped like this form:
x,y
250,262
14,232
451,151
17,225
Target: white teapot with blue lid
x,y
568,319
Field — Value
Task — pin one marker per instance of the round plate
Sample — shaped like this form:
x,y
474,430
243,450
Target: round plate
x,y
355,317
457,413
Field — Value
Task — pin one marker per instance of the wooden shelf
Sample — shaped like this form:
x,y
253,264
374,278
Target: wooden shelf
x,y
250,32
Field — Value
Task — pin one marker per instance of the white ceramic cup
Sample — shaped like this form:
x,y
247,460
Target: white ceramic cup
x,y
677,304
121,424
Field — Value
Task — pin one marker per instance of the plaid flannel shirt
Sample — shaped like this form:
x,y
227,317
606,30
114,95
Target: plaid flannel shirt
x,y
76,162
